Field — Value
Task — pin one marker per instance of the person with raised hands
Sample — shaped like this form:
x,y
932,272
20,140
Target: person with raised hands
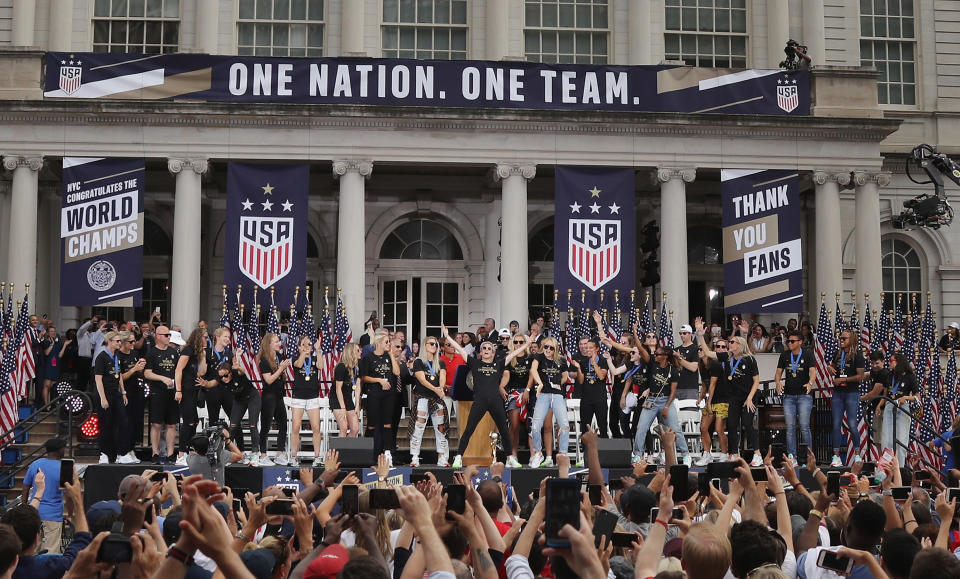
x,y
418,513
649,551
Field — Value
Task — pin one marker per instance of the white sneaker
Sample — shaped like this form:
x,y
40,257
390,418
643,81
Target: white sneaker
x,y
182,460
104,459
133,457
547,462
536,460
637,459
389,458
265,461
245,459
281,459
686,460
318,461
757,460
414,461
457,461
704,459
125,459
836,461
512,462
443,462
254,461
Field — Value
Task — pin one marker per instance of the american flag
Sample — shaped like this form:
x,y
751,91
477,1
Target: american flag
x,y
326,348
8,321
293,333
866,333
9,414
839,323
825,346
929,425
666,326
912,336
341,328
881,334
854,324
634,318
615,329
950,391
897,329
646,320
273,327
928,330
571,331
25,368
583,320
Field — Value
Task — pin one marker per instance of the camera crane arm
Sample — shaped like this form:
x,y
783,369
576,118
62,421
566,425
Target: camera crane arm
x,y
927,210
933,163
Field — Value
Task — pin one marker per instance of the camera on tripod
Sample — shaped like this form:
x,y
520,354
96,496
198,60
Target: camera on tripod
x,y
796,56
215,441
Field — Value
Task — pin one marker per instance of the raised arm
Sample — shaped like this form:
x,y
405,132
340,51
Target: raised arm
x,y
518,351
457,347
699,328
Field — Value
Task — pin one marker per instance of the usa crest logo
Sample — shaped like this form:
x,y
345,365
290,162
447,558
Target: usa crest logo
x,y
266,249
788,97
595,251
70,76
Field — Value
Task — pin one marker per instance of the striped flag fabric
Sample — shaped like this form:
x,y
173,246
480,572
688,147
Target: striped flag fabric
x,y
666,326
341,327
326,349
930,420
634,316
25,368
928,330
839,323
646,319
241,347
866,332
950,389
898,336
8,320
881,334
9,413
583,320
273,327
825,346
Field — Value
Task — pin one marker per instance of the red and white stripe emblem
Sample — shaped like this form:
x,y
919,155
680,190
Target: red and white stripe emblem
x,y
266,249
595,251
70,78
788,97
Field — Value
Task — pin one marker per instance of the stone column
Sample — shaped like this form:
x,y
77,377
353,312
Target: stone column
x,y
492,251
351,30
514,265
673,239
498,29
778,30
61,25
187,250
639,29
208,27
351,238
828,243
24,21
22,242
867,231
813,34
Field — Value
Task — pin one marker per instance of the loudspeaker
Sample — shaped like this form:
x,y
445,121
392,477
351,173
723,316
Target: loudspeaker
x,y
615,452
354,452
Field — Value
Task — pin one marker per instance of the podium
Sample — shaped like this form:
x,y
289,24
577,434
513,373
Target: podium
x,y
478,451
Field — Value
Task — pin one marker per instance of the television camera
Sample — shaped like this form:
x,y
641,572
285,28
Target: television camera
x,y
926,210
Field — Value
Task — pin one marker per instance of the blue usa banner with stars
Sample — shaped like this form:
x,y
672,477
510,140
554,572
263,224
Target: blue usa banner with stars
x,y
594,232
266,242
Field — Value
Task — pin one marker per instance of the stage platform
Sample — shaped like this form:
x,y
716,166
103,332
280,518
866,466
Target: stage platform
x,y
102,480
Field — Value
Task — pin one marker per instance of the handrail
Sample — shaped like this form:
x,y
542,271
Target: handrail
x,y
42,413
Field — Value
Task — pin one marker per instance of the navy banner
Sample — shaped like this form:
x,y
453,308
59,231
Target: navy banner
x,y
762,258
101,232
266,243
594,232
433,83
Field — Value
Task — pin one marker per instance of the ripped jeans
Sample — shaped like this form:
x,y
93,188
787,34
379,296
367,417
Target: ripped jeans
x,y
559,405
440,423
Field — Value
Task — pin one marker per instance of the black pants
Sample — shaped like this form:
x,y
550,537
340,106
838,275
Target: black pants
x,y
135,414
83,366
613,415
481,405
188,416
738,413
217,398
590,408
114,435
249,402
381,407
273,409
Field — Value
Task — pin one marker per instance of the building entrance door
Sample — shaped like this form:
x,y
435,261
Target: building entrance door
x,y
419,305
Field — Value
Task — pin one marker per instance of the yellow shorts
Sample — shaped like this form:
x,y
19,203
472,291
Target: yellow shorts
x,y
721,410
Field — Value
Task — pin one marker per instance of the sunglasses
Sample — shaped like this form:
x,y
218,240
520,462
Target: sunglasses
x,y
793,341
549,347
719,347
431,343
518,342
166,335
660,354
651,335
224,376
131,341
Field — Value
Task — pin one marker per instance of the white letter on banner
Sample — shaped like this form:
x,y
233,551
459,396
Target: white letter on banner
x,y
494,84
471,83
261,79
548,76
771,261
516,85
318,80
616,87
567,86
283,79
424,82
238,79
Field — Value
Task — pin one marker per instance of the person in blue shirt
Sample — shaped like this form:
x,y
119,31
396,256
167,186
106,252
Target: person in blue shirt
x,y
944,447
51,502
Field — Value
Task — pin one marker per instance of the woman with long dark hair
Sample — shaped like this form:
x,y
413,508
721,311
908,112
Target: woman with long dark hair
x,y
902,387
215,394
246,400
305,397
191,366
848,369
272,366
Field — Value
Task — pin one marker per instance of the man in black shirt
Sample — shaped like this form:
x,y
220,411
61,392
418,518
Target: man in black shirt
x,y
160,368
689,382
799,369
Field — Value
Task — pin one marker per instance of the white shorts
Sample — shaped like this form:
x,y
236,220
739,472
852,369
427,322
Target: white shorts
x,y
304,403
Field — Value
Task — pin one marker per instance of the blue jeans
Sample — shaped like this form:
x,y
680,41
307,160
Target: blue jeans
x,y
903,423
648,415
559,405
801,404
845,402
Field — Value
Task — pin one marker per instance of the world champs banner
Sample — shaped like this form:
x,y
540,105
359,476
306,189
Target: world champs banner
x,y
594,232
101,232
266,244
762,258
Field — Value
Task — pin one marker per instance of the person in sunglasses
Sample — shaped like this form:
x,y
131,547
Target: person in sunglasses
x,y
715,409
164,411
431,375
548,373
848,369
513,384
795,376
246,400
486,370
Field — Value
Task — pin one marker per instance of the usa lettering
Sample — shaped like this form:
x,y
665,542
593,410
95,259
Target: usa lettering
x,y
594,235
266,232
760,201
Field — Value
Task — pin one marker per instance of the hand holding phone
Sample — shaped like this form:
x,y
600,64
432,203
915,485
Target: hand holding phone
x,y
833,483
66,471
563,508
830,560
350,500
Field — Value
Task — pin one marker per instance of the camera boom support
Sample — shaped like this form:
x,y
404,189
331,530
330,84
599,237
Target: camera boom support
x,y
926,210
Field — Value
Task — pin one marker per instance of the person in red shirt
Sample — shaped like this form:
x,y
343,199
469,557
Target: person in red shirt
x,y
452,360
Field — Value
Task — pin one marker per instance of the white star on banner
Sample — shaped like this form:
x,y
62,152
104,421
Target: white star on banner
x,y
279,479
614,209
594,208
247,204
287,206
575,208
267,205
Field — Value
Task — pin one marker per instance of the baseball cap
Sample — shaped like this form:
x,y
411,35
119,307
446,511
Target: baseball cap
x,y
177,338
955,325
328,564
259,562
125,484
504,333
54,444
100,509
686,328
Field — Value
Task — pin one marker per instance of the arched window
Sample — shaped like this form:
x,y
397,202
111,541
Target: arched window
x,y
155,240
902,270
421,239
705,245
541,245
312,250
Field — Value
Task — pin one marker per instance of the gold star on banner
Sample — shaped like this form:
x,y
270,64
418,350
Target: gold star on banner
x,y
268,190
594,192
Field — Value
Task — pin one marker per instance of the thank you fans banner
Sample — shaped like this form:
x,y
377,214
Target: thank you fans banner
x,y
762,259
594,232
266,244
101,232
434,83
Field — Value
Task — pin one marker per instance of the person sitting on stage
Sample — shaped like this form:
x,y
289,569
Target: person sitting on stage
x,y
486,371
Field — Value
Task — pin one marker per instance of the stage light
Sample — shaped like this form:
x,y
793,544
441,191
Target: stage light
x,y
90,429
74,403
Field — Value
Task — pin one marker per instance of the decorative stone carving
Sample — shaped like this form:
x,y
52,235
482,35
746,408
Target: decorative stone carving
x,y
33,162
503,170
343,166
176,165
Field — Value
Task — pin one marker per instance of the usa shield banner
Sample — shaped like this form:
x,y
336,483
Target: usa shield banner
x,y
101,232
266,242
788,95
762,257
594,232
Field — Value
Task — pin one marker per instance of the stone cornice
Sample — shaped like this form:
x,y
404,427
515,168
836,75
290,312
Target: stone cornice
x,y
214,115
32,162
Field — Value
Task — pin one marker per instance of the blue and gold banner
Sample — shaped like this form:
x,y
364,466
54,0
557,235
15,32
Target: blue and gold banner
x,y
266,242
101,232
432,83
762,253
594,232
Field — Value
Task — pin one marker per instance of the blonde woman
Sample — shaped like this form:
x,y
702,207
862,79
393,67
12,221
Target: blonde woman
x,y
513,383
345,401
305,397
549,373
380,373
431,374
272,367
739,369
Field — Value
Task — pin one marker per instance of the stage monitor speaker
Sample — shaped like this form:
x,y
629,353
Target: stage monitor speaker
x,y
354,452
615,452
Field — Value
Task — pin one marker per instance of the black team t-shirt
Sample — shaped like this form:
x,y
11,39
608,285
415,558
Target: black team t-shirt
x,y
306,379
551,374
519,371
796,371
109,368
278,385
592,388
721,390
163,363
660,379
688,382
848,365
377,366
738,373
432,377
486,376
343,374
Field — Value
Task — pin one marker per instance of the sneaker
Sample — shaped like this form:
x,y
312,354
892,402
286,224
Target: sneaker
x,y
686,460
245,459
389,458
704,459
317,461
443,462
163,459
281,459
155,459
254,461
536,459
125,459
182,460
547,462
793,461
636,459
104,459
414,461
133,455
265,461
579,464
457,461
757,460
836,461
512,462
